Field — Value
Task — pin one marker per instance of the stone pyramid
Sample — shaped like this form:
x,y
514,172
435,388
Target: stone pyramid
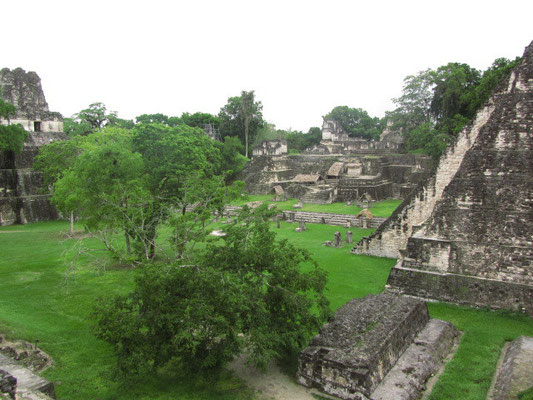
x,y
475,246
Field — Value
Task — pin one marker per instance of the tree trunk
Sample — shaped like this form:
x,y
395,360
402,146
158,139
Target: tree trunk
x,y
246,125
71,228
128,245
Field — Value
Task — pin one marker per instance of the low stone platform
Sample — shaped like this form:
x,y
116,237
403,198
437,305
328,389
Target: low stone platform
x,y
352,354
515,374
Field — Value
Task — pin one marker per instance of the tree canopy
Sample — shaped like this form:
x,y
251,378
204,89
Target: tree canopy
x,y
436,104
356,122
245,291
12,136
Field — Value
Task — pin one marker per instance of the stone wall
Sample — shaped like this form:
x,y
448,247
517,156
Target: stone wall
x,y
270,148
330,219
515,374
461,289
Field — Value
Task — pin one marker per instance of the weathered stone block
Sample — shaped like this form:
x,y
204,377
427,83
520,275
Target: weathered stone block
x,y
516,372
352,354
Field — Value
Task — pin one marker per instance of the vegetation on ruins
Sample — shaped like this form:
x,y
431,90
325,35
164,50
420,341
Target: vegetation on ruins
x,y
356,122
296,141
246,291
436,104
12,136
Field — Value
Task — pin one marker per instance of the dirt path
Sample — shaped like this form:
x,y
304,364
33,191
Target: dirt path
x,y
272,384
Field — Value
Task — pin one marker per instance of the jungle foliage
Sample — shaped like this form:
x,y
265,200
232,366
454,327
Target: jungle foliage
x,y
436,104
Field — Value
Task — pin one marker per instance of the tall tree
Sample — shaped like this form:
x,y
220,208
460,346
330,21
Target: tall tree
x,y
248,111
238,113
453,82
91,119
96,115
413,106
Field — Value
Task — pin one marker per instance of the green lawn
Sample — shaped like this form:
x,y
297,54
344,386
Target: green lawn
x,y
378,209
37,302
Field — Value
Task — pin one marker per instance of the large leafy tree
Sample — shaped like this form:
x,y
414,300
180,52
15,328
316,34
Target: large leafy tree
x,y
132,180
453,82
12,136
248,292
105,186
413,106
200,119
356,122
54,160
91,119
241,117
436,104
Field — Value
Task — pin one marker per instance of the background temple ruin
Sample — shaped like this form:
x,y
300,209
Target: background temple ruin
x,y
21,196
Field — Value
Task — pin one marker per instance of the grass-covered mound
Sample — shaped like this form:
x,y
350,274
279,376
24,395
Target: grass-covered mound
x,y
38,302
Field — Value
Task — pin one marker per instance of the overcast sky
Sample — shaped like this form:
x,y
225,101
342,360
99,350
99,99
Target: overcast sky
x,y
302,58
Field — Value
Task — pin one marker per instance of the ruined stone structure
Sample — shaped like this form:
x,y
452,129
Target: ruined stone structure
x,y
331,219
346,177
350,167
336,141
466,235
368,339
271,148
21,199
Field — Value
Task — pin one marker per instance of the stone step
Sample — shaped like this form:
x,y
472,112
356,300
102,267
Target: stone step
x,y
422,359
29,385
514,373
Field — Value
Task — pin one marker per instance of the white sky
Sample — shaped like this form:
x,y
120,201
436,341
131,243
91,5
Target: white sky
x,y
302,58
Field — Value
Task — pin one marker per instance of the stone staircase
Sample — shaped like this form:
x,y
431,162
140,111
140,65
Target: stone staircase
x,y
20,363
393,235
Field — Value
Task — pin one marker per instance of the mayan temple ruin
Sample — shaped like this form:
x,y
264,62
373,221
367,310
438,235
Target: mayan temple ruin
x,y
340,168
466,234
21,197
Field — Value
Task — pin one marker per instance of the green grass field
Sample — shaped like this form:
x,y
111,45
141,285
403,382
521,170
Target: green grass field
x,y
38,302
